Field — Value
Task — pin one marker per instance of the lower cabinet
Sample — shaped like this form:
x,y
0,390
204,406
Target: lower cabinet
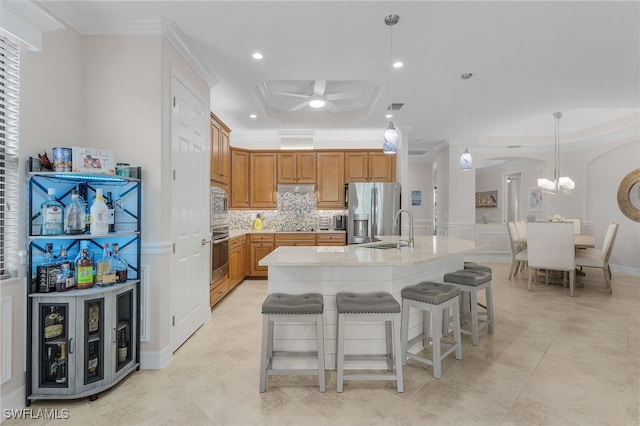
x,y
237,260
218,290
336,239
295,239
260,245
83,341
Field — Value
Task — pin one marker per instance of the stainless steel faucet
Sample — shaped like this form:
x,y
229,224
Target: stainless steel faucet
x,y
395,220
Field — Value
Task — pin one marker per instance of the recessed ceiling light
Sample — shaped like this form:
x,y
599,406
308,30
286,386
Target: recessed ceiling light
x,y
253,116
257,55
398,64
389,115
316,103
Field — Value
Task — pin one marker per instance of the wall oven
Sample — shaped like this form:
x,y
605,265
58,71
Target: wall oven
x,y
219,234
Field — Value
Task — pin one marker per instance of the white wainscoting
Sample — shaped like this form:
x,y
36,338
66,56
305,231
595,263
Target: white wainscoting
x,y
6,323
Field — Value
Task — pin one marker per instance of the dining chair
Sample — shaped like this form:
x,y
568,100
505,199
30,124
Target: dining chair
x,y
518,252
599,258
550,246
577,224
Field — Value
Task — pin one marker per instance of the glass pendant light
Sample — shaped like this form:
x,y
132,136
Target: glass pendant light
x,y
390,144
465,158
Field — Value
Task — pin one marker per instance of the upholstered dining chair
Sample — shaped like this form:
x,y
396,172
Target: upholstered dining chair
x,y
518,252
599,258
550,246
577,224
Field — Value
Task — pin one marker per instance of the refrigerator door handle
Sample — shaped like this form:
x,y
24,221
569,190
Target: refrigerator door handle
x,y
374,213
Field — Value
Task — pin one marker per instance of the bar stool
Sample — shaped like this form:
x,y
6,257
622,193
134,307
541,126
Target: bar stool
x,y
477,267
375,306
434,299
289,308
470,282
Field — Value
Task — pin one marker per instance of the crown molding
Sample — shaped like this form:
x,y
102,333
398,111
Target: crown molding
x,y
26,22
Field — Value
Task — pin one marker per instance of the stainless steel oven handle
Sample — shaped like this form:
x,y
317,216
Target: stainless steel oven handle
x,y
221,240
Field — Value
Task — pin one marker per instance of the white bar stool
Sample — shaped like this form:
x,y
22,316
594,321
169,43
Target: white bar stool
x,y
375,306
435,300
289,308
470,282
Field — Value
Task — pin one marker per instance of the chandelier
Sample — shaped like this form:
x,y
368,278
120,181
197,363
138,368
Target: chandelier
x,y
390,139
559,185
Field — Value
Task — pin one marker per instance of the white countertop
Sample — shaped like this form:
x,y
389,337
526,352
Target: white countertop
x,y
426,249
233,233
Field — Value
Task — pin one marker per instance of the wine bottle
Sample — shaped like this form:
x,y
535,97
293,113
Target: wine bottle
x,y
118,264
92,362
99,215
48,365
75,215
53,325
122,347
61,367
111,215
52,214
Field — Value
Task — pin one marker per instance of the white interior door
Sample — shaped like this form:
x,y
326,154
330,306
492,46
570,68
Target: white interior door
x,y
189,286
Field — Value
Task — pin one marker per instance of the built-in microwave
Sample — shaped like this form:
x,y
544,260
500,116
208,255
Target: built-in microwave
x,y
219,207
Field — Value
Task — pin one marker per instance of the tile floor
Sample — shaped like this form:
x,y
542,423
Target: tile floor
x,y
553,360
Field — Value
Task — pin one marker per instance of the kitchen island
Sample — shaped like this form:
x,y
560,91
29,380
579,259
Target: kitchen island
x,y
363,268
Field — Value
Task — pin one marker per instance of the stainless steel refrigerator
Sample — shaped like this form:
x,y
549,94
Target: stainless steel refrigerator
x,y
372,207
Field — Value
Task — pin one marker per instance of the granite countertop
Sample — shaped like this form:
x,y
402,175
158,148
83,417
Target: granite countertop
x,y
427,248
233,233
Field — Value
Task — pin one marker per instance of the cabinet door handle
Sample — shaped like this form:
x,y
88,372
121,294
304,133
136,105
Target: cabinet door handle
x,y
71,345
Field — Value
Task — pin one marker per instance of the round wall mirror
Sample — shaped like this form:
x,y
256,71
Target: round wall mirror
x,y
629,195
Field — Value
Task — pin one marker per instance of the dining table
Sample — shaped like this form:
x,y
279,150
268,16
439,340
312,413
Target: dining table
x,y
581,241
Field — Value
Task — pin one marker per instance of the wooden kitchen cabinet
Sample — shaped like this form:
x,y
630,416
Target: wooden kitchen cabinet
x,y
218,290
369,166
237,260
330,180
220,151
260,245
262,180
295,239
296,167
333,239
239,179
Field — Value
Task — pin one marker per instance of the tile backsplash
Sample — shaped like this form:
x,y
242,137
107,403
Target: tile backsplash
x,y
296,211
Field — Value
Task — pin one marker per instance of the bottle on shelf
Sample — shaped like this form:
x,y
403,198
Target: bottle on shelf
x,y
122,346
61,366
52,214
99,215
84,267
48,365
105,274
64,275
94,317
53,324
118,264
92,360
46,276
111,215
75,215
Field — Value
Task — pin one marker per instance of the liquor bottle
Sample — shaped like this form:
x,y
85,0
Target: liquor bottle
x,y
99,215
53,324
48,365
82,196
75,215
84,269
92,361
122,347
52,214
43,271
105,274
111,215
94,317
61,367
118,264
64,275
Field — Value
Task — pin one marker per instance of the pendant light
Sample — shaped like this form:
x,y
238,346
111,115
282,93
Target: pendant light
x,y
465,159
559,185
390,144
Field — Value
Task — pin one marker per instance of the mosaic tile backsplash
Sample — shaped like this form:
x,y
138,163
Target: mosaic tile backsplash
x,y
296,212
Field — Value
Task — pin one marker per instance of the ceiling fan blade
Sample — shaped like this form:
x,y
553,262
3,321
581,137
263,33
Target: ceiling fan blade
x,y
299,106
294,95
319,86
331,107
342,95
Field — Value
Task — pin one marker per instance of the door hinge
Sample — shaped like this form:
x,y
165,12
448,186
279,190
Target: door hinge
x,y
173,320
174,101
173,247
174,174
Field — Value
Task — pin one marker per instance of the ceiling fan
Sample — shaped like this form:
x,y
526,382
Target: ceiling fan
x,y
318,98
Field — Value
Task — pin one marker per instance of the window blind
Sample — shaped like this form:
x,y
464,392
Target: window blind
x,y
9,91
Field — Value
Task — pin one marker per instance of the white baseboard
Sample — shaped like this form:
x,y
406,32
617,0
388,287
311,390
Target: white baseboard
x,y
155,360
627,270
16,400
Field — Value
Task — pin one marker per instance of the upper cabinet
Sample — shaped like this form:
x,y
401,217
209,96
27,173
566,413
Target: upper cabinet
x,y
369,166
330,169
296,167
239,179
220,154
262,180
